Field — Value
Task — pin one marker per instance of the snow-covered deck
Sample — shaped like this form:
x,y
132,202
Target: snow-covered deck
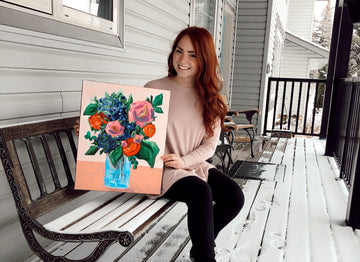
x,y
299,219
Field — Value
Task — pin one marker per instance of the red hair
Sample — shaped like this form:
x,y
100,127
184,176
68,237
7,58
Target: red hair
x,y
207,81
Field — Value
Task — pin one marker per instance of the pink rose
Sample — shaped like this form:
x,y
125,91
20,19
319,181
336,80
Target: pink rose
x,y
114,128
141,112
138,138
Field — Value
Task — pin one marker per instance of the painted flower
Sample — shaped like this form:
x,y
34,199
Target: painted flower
x,y
138,138
114,128
142,112
97,120
149,130
131,148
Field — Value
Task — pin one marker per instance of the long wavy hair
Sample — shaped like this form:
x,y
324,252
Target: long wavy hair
x,y
207,81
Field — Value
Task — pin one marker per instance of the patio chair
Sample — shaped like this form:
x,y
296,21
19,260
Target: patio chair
x,y
232,122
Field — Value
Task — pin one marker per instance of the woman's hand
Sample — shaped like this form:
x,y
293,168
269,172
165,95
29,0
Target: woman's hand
x,y
172,160
76,127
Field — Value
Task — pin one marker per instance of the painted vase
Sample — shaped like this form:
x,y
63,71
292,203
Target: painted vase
x,y
117,176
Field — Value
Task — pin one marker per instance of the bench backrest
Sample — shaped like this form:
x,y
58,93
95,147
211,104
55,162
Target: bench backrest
x,y
39,163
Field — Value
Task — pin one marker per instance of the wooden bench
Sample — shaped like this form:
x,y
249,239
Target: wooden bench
x,y
39,162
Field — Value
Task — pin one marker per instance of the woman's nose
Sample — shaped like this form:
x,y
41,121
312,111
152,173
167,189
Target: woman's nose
x,y
182,58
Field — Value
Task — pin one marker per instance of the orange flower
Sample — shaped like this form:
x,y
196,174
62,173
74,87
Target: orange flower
x,y
131,147
97,120
149,130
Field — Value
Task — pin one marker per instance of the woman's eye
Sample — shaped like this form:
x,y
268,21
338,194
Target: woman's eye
x,y
193,55
178,51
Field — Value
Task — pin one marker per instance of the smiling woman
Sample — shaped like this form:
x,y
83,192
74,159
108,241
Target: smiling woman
x,y
196,115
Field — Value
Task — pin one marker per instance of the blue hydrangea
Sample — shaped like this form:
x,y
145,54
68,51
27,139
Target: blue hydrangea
x,y
106,142
113,107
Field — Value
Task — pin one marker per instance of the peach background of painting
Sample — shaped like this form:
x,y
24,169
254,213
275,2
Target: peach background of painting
x,y
90,176
90,169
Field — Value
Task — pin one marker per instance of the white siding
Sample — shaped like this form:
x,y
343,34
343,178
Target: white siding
x,y
41,78
250,44
297,61
260,40
300,17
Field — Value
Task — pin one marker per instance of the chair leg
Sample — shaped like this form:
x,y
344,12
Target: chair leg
x,y
251,136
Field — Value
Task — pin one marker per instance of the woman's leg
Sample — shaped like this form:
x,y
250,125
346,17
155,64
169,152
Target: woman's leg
x,y
228,198
197,195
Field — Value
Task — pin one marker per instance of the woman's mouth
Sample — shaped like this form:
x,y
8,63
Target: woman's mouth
x,y
183,67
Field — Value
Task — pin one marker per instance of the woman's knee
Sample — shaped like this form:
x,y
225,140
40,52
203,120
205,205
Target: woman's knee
x,y
190,190
200,192
239,198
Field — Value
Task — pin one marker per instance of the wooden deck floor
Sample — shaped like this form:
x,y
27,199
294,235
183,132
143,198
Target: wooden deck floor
x,y
298,219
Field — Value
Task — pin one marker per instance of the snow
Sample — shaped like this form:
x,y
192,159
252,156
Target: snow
x,y
301,219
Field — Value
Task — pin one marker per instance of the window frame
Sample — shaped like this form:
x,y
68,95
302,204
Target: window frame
x,y
58,23
194,15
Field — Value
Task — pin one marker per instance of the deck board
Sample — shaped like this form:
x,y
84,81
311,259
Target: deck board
x,y
275,232
321,240
297,244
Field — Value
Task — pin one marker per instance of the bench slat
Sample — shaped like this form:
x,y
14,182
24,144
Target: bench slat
x,y
151,212
149,241
106,214
36,167
173,244
77,213
50,160
116,213
123,222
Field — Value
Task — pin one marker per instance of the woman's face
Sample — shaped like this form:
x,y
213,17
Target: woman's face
x,y
184,60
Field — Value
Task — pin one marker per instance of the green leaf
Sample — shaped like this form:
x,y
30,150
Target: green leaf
x,y
88,135
148,152
130,100
158,110
115,155
92,150
158,100
91,109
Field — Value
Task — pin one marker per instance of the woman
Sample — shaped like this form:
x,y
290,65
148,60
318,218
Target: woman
x,y
196,116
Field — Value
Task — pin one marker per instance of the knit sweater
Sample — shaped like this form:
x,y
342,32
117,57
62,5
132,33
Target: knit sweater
x,y
186,135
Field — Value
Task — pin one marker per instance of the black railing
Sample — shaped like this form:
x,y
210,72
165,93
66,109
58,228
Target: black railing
x,y
295,105
343,141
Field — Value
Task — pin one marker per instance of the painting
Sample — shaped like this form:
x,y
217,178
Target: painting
x,y
121,138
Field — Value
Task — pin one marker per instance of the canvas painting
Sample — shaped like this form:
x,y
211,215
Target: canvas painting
x,y
121,138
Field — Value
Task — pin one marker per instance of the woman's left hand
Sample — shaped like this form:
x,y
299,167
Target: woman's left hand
x,y
172,160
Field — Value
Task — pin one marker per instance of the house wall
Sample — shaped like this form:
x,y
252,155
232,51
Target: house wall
x,y
295,62
299,22
41,78
249,54
300,17
259,41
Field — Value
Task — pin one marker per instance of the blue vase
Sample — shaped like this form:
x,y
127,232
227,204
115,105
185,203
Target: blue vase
x,y
117,176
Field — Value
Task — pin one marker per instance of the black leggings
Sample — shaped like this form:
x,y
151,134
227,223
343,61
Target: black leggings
x,y
211,206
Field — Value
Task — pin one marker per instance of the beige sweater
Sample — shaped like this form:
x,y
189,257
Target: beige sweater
x,y
186,134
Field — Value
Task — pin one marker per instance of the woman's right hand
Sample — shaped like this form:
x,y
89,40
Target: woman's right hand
x,y
172,160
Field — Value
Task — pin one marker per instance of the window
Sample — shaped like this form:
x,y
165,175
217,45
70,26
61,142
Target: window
x,y
99,21
205,11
